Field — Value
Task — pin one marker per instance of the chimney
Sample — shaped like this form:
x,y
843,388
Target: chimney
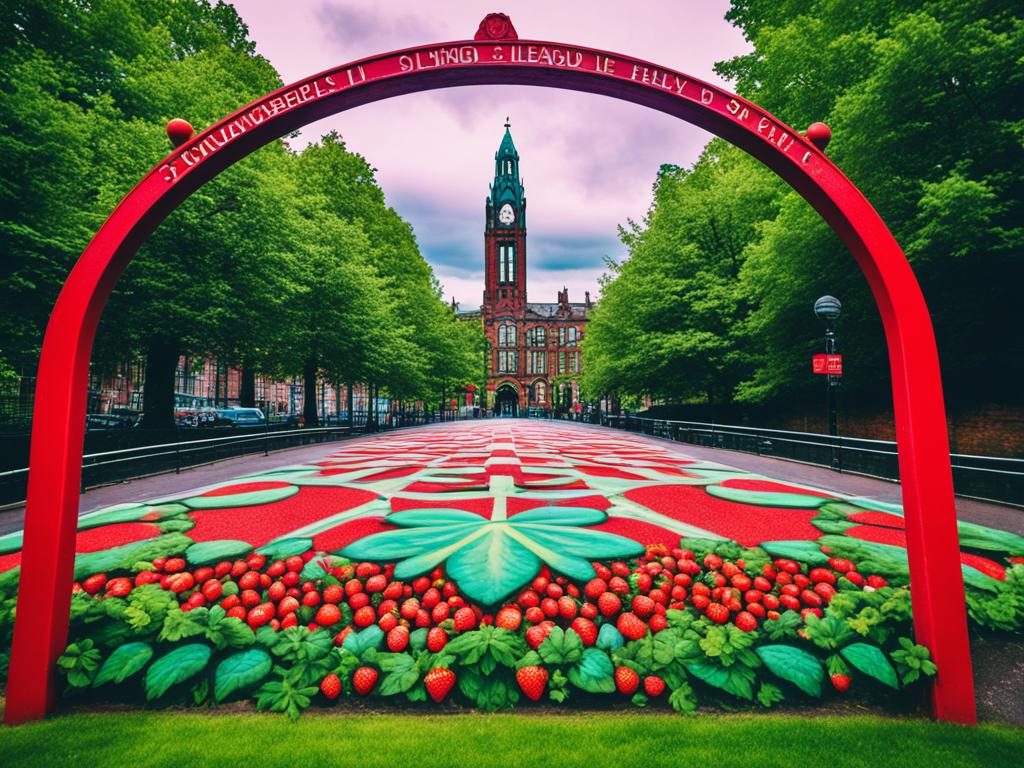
x,y
587,299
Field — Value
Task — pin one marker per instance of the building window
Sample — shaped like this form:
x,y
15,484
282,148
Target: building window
x,y
574,361
506,262
506,335
540,392
538,362
568,337
561,362
537,337
507,361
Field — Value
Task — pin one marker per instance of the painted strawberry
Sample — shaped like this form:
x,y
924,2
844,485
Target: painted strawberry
x,y
119,587
841,683
657,623
643,606
626,681
437,639
260,615
439,682
532,681
586,629
334,593
745,621
464,619
398,639
654,686
717,612
508,617
595,588
631,626
330,687
363,680
609,604
328,615
536,634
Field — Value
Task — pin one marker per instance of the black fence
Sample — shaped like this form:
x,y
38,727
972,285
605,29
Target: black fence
x,y
981,477
132,453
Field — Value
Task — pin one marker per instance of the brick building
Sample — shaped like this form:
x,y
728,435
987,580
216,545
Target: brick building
x,y
534,349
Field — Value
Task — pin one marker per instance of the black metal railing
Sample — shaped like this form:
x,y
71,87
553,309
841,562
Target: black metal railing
x,y
982,477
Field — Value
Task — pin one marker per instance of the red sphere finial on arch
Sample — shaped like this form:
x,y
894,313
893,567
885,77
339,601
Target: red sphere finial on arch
x,y
819,135
179,131
496,26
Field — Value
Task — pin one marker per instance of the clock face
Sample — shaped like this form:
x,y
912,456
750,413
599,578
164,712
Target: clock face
x,y
506,215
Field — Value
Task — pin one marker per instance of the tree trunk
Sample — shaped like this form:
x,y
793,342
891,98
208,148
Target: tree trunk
x,y
309,413
247,391
158,386
348,398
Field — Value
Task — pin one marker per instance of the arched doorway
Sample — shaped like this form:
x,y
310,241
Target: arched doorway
x,y
506,401
495,56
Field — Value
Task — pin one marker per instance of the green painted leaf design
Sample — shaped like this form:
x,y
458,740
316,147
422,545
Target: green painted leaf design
x,y
124,662
176,667
491,558
11,542
358,642
794,665
279,549
737,679
207,552
870,660
595,673
801,551
609,638
766,498
249,499
239,671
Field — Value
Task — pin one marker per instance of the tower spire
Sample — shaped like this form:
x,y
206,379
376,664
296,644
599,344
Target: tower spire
x,y
508,123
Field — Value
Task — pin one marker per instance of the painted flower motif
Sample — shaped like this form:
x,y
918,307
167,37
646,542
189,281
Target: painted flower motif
x,y
491,558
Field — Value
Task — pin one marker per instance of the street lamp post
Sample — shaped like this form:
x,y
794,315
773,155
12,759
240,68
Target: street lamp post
x,y
828,309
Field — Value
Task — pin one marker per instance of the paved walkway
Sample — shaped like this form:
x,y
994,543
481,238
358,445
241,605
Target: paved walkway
x,y
1001,516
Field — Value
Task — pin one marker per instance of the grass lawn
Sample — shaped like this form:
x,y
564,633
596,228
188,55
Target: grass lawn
x,y
176,739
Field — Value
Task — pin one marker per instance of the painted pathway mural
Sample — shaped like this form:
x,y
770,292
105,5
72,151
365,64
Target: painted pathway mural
x,y
497,562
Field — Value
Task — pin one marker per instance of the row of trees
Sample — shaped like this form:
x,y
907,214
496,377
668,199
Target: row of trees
x,y
923,98
287,263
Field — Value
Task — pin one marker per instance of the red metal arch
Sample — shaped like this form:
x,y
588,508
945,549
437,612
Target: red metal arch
x,y
57,433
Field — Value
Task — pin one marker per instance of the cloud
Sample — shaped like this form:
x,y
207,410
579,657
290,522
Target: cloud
x,y
588,161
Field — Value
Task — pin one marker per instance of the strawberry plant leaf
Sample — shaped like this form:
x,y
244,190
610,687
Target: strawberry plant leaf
x,y
793,665
595,672
737,679
175,667
124,662
179,624
358,643
639,700
79,662
682,698
239,671
400,673
870,660
609,638
785,626
768,694
561,647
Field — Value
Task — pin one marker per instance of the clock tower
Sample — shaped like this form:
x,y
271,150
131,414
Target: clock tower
x,y
505,235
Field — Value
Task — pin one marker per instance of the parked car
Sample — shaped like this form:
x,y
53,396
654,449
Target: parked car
x,y
240,417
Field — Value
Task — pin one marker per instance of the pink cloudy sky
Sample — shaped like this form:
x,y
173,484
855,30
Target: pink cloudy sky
x,y
588,161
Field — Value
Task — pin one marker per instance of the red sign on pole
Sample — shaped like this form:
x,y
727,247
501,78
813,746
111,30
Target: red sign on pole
x,y
827,364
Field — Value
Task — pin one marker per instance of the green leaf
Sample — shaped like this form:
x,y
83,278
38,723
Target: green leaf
x,y
793,665
279,549
175,667
682,699
124,662
609,638
248,499
209,552
766,498
801,551
491,558
870,660
595,673
737,679
240,671
768,694
561,647
359,642
121,558
400,673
